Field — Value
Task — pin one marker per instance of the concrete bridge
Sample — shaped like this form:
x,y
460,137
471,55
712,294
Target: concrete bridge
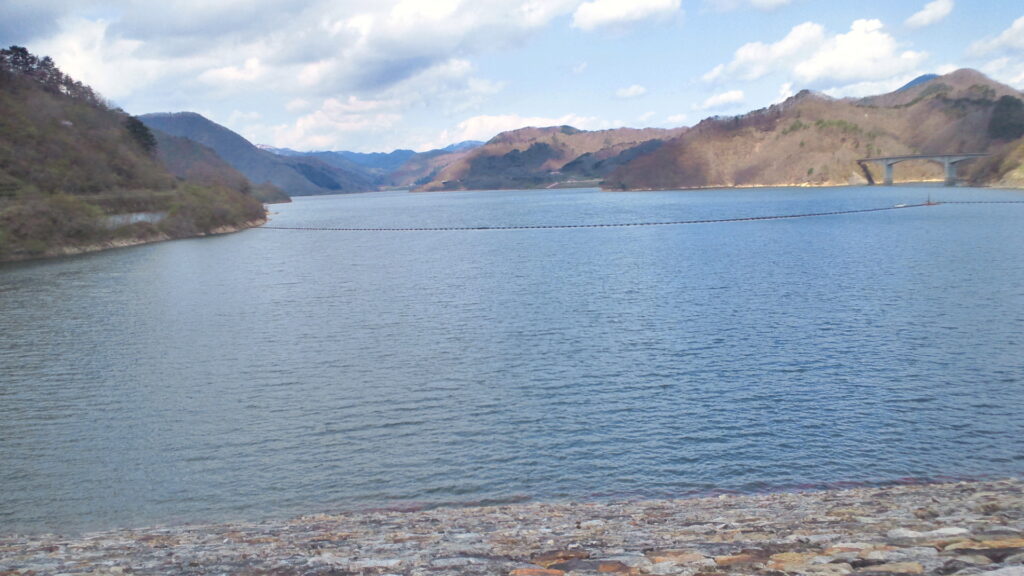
x,y
948,161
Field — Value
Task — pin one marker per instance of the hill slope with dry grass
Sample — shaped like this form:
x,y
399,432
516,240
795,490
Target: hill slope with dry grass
x,y
811,139
534,157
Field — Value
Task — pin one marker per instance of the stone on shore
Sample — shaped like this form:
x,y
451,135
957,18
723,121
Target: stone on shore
x,y
956,529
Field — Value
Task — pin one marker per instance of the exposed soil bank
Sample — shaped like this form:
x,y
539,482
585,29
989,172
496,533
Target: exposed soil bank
x,y
72,250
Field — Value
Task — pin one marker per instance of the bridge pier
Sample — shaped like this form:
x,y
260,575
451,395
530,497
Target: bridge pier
x,y
948,161
950,166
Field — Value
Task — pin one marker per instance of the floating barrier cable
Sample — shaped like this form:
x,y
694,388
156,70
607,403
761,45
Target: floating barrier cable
x,y
626,224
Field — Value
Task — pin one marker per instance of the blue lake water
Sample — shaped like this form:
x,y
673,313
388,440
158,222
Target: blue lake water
x,y
279,372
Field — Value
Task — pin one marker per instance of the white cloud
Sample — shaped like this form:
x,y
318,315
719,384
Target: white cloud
x,y
814,58
388,42
333,124
238,116
722,100
609,13
634,91
756,59
250,71
313,48
870,87
116,67
785,91
727,5
1011,40
677,118
579,68
1006,70
298,105
932,13
375,123
485,127
646,117
864,53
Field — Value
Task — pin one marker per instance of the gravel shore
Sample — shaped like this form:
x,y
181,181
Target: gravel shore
x,y
942,529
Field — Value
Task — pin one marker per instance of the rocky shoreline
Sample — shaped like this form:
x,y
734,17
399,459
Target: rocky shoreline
x,y
961,528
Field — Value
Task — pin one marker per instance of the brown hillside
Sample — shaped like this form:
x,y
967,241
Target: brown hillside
x,y
423,168
964,83
812,139
532,157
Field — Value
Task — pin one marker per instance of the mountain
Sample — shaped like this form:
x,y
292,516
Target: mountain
x,y
192,161
399,168
964,84
535,157
425,166
598,165
296,175
917,81
381,162
75,173
811,139
460,146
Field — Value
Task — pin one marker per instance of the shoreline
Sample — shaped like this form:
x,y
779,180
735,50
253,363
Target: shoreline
x,y
966,528
114,244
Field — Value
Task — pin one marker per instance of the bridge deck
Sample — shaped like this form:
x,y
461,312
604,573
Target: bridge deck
x,y
937,157
948,161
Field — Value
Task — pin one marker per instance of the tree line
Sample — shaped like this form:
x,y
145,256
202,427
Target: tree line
x,y
18,60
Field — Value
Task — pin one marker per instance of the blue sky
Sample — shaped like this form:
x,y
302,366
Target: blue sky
x,y
376,75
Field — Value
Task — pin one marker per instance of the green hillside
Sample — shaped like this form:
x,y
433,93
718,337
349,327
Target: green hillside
x,y
74,171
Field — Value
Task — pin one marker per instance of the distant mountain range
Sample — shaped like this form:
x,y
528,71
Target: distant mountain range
x,y
400,168
295,175
810,139
309,173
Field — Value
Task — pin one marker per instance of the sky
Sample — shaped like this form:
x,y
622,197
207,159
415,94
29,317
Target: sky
x,y
379,75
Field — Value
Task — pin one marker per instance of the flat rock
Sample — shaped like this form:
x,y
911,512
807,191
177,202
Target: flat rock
x,y
554,557
538,571
895,568
678,557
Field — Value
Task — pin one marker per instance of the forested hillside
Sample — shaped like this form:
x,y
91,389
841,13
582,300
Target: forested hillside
x,y
74,171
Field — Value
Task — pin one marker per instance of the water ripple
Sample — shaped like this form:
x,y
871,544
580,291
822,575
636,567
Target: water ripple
x,y
267,373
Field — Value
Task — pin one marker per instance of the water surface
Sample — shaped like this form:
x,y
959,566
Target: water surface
x,y
277,372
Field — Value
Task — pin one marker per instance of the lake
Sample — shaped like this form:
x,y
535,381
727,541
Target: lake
x,y
278,372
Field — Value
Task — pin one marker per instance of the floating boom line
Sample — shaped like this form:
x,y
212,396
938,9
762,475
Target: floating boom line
x,y
627,224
